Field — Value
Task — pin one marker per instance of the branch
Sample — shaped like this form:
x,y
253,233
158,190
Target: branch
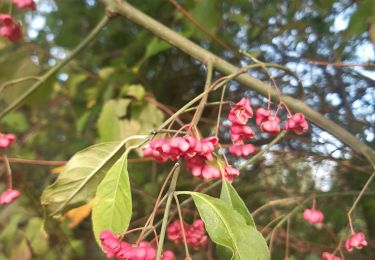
x,y
201,27
172,189
89,38
223,66
339,64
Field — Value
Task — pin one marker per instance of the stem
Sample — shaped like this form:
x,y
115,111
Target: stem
x,y
10,8
60,163
201,105
261,152
163,107
351,224
13,82
168,131
148,220
287,201
284,201
210,104
8,171
158,202
186,201
357,200
271,223
219,113
281,222
89,38
191,18
187,254
314,201
179,131
218,84
287,109
287,240
35,162
269,75
172,189
225,67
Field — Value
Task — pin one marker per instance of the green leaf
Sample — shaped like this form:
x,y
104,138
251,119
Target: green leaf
x,y
106,72
155,47
11,228
228,228
113,207
148,115
16,121
223,253
21,251
82,121
230,196
207,14
15,65
77,184
74,82
110,126
36,237
137,91
360,18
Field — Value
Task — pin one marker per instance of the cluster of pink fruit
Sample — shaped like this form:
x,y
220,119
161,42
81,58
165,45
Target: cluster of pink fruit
x,y
10,28
197,153
269,123
113,247
356,240
10,194
195,233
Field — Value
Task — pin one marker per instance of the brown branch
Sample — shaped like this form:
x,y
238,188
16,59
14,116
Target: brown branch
x,y
163,107
339,64
201,27
34,162
296,244
60,163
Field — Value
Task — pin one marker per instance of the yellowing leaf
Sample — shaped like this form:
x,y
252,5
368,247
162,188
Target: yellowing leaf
x,y
57,170
91,103
21,251
77,184
77,215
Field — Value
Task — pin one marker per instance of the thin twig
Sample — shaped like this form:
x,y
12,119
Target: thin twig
x,y
201,27
187,254
16,81
201,106
357,200
50,73
8,171
172,189
158,202
339,64
261,152
34,162
287,240
219,113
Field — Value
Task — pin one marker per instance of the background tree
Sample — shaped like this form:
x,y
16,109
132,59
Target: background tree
x,y
127,81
